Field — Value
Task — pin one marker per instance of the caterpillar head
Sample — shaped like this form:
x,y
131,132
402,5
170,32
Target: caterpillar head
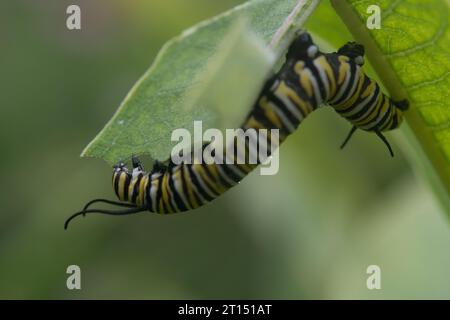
x,y
302,48
120,167
354,51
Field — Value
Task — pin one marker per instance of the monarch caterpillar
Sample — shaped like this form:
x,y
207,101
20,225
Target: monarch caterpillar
x,y
307,79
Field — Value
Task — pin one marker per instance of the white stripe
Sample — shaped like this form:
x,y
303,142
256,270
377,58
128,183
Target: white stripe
x,y
356,81
153,190
287,123
290,105
342,88
370,109
224,176
194,187
323,77
203,184
178,183
371,125
275,85
172,197
316,89
223,173
359,106
237,171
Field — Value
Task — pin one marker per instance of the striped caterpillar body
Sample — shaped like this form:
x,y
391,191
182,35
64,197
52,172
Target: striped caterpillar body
x,y
307,80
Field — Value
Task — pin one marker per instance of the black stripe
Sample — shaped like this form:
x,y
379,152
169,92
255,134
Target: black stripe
x,y
178,200
260,116
183,185
386,116
292,80
185,182
394,120
334,63
209,185
246,151
282,107
375,119
229,172
223,182
116,184
296,91
136,188
126,186
353,78
374,98
366,83
148,191
196,183
205,168
315,72
158,196
170,204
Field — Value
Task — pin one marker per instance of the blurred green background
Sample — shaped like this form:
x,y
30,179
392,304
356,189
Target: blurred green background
x,y
309,232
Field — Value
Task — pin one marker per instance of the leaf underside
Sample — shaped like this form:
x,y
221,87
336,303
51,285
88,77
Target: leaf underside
x,y
184,72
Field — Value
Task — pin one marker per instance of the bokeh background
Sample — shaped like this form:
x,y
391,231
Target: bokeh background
x,y
308,232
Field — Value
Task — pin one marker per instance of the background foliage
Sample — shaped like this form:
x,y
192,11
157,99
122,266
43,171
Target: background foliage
x,y
308,232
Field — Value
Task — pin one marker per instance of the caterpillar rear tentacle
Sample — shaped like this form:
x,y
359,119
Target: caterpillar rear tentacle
x,y
308,79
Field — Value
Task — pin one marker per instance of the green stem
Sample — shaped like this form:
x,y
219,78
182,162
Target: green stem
x,y
423,134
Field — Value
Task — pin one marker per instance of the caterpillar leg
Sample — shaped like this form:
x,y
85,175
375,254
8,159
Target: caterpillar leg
x,y
402,104
378,133
354,51
386,142
158,166
350,134
136,163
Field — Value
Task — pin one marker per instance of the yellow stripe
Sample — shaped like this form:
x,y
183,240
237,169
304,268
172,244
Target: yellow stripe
x,y
355,96
304,80
344,67
253,123
142,187
323,62
190,191
155,185
213,171
206,178
369,90
399,117
372,114
269,113
177,178
212,168
290,93
165,193
122,179
391,120
131,189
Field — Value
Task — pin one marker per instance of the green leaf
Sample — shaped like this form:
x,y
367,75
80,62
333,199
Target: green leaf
x,y
411,55
189,66
218,88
